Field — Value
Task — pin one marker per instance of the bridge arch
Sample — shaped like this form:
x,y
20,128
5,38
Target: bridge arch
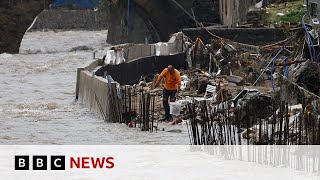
x,y
161,18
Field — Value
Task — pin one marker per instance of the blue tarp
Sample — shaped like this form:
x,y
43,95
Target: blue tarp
x,y
77,3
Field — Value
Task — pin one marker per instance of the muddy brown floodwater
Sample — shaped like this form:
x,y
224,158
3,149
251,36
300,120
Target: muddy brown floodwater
x,y
37,101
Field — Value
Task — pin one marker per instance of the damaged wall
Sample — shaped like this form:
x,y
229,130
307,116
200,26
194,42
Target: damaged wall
x,y
96,93
128,52
130,72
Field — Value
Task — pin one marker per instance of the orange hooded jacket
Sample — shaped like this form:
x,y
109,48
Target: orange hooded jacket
x,y
172,81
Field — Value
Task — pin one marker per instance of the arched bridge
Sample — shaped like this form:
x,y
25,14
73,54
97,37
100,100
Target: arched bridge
x,y
161,17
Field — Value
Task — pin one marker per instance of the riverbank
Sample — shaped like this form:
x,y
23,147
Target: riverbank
x,y
37,96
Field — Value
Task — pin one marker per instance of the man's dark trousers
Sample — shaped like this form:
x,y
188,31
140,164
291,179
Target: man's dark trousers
x,y
166,95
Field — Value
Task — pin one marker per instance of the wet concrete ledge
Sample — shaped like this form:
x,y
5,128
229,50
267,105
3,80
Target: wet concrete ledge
x,y
93,93
96,92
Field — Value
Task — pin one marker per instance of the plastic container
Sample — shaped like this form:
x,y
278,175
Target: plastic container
x,y
175,108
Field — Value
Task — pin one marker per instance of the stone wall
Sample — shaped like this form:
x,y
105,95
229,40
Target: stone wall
x,y
15,18
136,30
69,19
243,9
158,17
234,12
206,11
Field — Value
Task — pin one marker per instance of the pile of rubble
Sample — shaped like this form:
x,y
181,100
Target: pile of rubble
x,y
235,72
245,81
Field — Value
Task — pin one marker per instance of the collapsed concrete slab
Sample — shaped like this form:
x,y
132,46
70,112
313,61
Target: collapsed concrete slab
x,y
235,79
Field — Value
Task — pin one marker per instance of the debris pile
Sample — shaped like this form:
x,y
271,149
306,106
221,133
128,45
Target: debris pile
x,y
234,93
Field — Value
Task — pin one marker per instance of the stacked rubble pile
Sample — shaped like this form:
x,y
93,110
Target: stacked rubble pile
x,y
235,93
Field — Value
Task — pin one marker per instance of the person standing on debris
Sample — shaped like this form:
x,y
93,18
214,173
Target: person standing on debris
x,y
171,87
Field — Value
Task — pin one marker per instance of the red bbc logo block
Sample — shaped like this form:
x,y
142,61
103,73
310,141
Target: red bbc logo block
x,y
39,162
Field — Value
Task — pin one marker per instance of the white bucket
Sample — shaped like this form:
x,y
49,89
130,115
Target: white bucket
x,y
175,108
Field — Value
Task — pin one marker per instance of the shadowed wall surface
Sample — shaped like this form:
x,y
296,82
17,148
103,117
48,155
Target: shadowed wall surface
x,y
135,22
130,73
15,18
161,18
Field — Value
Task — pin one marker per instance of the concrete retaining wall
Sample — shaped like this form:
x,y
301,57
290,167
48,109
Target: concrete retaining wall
x,y
93,91
130,72
90,67
140,50
97,94
135,51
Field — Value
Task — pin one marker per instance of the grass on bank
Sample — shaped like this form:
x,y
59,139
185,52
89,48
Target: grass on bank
x,y
293,12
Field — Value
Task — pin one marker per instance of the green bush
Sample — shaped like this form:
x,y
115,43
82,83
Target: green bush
x,y
293,16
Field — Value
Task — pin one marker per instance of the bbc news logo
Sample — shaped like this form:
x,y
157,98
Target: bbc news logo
x,y
57,162
40,162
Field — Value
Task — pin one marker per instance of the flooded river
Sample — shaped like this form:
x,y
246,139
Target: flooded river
x,y
37,95
37,106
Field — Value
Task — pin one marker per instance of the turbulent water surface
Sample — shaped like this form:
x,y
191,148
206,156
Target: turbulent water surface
x,y
37,95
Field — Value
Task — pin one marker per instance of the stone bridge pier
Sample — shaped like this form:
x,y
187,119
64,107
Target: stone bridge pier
x,y
151,20
15,18
156,20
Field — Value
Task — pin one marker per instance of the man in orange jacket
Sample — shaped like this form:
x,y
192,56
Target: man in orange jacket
x,y
171,87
